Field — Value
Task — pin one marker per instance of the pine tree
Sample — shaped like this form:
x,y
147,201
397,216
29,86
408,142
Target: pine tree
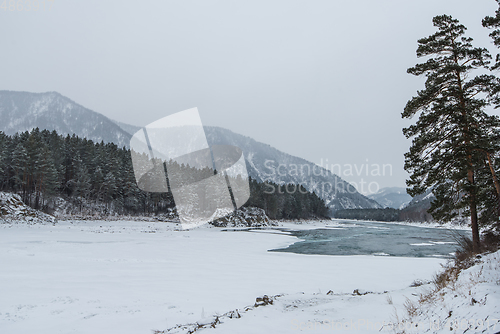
x,y
494,23
81,182
109,186
3,158
453,132
46,178
19,166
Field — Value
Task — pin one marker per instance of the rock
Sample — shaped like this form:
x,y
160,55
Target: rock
x,y
234,314
263,301
13,210
360,292
244,217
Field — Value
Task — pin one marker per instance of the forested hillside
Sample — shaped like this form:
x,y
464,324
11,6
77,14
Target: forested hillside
x,y
384,215
43,166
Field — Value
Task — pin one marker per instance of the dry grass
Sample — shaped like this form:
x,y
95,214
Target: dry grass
x,y
432,297
411,308
464,256
443,279
389,300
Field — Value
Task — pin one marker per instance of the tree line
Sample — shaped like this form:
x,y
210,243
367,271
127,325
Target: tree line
x,y
383,215
413,213
42,166
286,202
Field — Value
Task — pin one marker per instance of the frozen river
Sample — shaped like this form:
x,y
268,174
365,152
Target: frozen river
x,y
374,238
132,277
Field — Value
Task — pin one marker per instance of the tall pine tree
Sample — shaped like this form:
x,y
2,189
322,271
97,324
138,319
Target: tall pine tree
x,y
453,133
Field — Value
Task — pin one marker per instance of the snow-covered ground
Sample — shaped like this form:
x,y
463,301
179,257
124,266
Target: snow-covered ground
x,y
140,277
469,302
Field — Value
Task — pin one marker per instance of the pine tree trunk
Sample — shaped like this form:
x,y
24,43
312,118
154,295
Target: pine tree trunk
x,y
476,244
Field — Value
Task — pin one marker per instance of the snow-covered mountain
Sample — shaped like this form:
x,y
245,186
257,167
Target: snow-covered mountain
x,y
265,163
391,197
416,210
21,111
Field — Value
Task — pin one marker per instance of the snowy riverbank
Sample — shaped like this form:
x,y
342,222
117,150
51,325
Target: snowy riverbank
x,y
137,277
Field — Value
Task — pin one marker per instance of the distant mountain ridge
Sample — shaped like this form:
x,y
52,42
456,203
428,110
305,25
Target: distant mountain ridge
x,y
392,197
22,111
416,210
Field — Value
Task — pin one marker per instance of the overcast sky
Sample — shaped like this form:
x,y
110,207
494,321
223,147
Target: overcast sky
x,y
324,80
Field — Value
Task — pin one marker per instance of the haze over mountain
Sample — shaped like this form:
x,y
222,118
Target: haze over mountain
x,y
416,209
22,111
391,197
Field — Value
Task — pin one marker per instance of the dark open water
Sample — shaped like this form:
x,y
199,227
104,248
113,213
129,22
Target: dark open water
x,y
373,238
